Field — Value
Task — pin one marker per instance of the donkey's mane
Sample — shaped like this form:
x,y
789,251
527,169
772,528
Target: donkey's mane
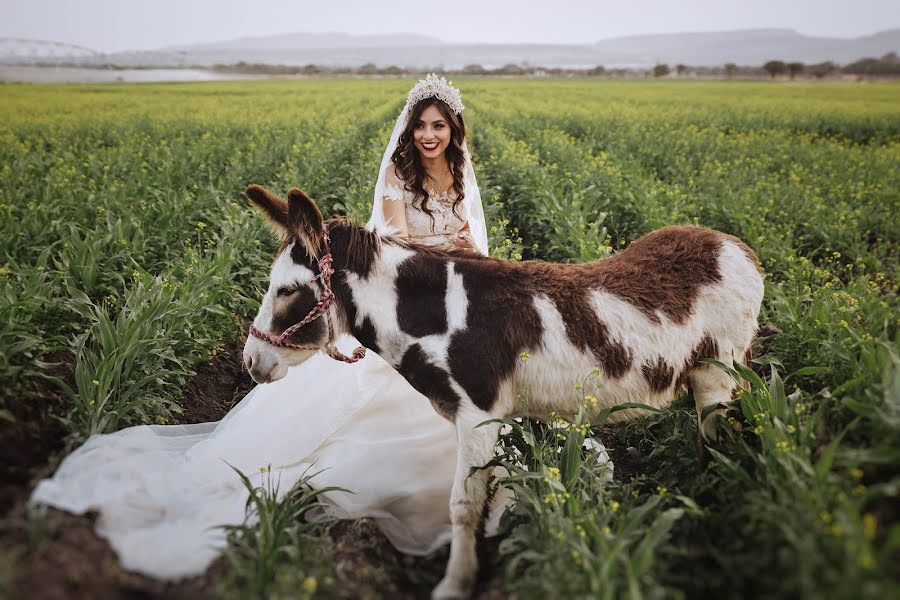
x,y
355,247
362,246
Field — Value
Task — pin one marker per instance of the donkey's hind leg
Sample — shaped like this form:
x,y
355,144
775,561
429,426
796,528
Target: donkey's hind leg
x,y
711,386
476,447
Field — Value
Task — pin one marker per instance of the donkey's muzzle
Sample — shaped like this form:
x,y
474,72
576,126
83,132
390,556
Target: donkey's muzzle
x,y
260,369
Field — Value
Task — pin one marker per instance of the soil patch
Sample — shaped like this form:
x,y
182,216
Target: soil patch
x,y
625,466
367,566
217,386
27,445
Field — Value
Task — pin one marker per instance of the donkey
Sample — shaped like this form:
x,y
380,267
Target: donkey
x,y
457,326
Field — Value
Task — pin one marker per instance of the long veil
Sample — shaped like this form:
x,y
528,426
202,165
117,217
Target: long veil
x,y
473,209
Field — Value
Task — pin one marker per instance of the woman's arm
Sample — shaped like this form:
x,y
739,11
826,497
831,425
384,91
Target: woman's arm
x,y
393,205
395,215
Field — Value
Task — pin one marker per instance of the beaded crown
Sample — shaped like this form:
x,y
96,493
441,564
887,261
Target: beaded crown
x,y
432,85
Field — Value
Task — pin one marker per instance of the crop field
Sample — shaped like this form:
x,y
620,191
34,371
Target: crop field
x,y
130,263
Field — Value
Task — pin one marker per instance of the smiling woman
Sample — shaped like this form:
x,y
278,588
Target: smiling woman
x,y
427,169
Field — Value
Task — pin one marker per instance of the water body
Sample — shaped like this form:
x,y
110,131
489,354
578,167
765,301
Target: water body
x,y
82,75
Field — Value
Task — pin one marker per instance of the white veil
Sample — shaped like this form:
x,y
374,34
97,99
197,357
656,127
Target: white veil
x,y
472,202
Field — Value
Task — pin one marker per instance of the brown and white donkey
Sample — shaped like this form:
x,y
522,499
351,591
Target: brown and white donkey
x,y
456,324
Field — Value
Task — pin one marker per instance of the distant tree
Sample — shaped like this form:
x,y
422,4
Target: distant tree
x,y
368,69
681,69
474,70
393,70
597,71
730,70
775,68
820,70
795,68
661,70
510,69
886,65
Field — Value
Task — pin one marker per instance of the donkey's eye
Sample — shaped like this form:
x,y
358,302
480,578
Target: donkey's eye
x,y
285,291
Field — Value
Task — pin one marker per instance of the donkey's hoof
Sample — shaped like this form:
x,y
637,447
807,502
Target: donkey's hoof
x,y
709,427
449,589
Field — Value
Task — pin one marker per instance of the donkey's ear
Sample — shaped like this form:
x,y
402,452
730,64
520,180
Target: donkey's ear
x,y
273,208
305,220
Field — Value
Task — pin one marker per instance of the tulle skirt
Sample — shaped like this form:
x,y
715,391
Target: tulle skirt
x,y
162,491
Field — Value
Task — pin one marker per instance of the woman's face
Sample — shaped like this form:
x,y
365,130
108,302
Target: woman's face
x,y
431,133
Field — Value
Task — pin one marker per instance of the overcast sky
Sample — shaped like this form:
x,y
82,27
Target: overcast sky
x,y
110,25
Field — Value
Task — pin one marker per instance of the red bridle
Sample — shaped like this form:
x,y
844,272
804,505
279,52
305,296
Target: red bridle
x,y
321,308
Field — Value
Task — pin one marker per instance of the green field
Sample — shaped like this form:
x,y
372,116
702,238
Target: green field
x,y
130,261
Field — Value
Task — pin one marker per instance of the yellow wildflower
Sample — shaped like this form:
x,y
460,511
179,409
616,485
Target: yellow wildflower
x,y
870,526
310,585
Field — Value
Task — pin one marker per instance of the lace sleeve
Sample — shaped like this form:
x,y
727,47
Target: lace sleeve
x,y
393,185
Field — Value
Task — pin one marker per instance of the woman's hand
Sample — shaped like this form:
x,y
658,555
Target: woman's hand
x,y
463,239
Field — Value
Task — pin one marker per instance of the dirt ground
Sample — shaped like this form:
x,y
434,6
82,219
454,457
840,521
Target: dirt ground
x,y
59,556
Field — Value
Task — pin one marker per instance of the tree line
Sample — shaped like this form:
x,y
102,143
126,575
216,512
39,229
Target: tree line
x,y
886,66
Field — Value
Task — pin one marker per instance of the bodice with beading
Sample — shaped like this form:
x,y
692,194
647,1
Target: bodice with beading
x,y
438,229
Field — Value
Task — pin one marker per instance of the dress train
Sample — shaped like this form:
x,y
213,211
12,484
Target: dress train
x,y
162,490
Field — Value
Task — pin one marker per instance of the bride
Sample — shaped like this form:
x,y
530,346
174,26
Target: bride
x,y
162,491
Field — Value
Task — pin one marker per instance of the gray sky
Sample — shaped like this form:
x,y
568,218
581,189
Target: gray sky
x,y
110,25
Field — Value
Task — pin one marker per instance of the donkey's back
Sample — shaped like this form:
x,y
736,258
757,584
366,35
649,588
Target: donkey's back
x,y
642,319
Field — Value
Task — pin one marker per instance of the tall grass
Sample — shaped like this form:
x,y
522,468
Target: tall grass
x,y
277,552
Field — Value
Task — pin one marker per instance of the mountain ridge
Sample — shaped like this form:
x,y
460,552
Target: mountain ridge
x,y
336,49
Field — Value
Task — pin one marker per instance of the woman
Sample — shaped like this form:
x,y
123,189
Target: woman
x,y
161,491
426,187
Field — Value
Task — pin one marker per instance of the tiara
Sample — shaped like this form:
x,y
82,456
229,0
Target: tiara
x,y
432,85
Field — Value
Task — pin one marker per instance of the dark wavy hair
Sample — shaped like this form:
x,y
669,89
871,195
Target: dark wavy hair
x,y
409,164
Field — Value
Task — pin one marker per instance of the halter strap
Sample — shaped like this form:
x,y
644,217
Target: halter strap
x,y
321,308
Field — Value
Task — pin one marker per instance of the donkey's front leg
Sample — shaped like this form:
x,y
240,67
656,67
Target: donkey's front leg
x,y
476,447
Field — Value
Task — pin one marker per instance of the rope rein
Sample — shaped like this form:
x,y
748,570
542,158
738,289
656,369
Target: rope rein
x,y
321,308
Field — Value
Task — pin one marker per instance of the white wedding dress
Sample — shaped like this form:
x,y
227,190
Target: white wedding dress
x,y
162,490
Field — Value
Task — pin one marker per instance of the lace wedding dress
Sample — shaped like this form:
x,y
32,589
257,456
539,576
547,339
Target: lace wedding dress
x,y
162,490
